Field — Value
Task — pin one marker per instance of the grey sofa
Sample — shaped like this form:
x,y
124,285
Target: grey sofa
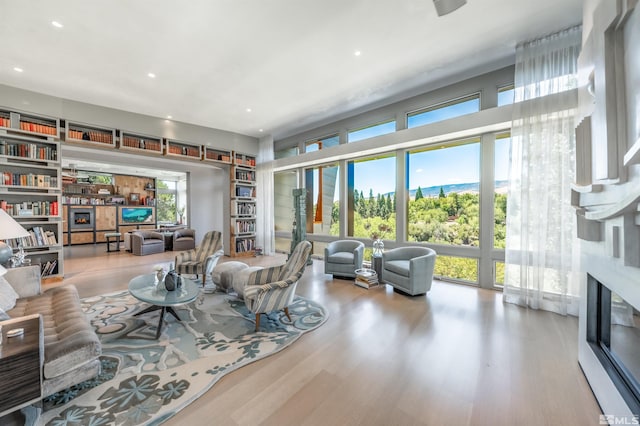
x,y
145,242
343,257
71,347
409,269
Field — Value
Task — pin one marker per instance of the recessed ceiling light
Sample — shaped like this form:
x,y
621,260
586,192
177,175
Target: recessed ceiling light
x,y
260,130
248,109
57,24
357,53
169,117
17,69
151,75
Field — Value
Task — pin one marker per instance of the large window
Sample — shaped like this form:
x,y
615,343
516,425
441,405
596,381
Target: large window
x,y
166,203
371,131
506,95
372,182
444,187
323,200
284,153
318,144
444,111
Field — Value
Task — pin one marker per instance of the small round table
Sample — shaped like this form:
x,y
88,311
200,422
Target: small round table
x,y
143,288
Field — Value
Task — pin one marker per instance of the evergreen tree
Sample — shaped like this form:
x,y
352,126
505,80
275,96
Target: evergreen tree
x,y
419,195
389,206
441,193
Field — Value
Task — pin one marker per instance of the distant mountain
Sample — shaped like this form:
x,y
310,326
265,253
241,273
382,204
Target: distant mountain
x,y
460,188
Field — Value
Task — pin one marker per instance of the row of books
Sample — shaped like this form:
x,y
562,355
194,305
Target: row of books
x,y
38,237
366,278
5,122
37,128
245,175
184,150
244,226
245,245
246,208
30,208
29,179
92,136
212,155
48,268
28,150
132,142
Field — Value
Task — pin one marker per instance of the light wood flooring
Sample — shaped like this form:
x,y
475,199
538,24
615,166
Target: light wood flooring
x,y
458,356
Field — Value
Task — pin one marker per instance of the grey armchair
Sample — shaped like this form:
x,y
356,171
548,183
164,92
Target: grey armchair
x,y
343,257
184,239
409,269
146,242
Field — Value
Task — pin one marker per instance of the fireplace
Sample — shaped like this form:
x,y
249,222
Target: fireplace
x,y
613,334
81,219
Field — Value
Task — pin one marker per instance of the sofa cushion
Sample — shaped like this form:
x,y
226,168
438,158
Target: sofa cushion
x,y
8,295
400,267
342,257
3,315
69,339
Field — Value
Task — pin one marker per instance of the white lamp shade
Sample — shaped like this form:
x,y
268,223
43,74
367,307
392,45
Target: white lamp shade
x,y
9,228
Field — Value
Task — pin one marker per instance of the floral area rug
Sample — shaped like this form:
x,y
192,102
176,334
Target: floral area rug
x,y
145,381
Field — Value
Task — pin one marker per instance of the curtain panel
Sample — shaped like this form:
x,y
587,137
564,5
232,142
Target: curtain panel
x,y
541,255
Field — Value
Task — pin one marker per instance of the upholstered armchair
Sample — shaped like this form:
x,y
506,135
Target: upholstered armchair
x,y
273,289
203,258
146,242
184,239
409,269
343,257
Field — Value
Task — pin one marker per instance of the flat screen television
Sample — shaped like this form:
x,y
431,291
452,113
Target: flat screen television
x,y
135,215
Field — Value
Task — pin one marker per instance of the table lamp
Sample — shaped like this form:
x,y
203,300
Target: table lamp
x,y
9,229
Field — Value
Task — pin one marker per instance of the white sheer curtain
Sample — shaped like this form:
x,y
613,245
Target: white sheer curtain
x,y
540,256
265,234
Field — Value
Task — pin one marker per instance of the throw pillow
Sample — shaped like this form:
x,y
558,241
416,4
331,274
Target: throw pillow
x,y
8,295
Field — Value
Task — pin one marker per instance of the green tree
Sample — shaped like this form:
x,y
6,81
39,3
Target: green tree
x,y
441,195
419,195
166,204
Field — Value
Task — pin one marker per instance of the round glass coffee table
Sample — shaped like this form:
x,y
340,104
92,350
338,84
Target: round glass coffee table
x,y
144,288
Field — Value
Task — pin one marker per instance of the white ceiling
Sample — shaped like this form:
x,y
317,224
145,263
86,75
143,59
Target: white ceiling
x,y
291,61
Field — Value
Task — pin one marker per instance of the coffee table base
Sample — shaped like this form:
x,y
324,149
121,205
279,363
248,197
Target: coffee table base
x,y
163,309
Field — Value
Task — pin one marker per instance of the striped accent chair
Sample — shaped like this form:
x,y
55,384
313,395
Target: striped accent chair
x,y
273,289
203,258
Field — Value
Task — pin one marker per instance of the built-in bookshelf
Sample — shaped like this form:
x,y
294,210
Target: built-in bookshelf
x,y
141,143
216,155
87,134
31,187
243,205
29,124
183,149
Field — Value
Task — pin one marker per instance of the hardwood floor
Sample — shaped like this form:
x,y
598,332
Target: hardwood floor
x,y
458,356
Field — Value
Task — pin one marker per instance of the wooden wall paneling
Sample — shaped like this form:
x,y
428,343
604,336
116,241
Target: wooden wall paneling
x,y
82,237
106,218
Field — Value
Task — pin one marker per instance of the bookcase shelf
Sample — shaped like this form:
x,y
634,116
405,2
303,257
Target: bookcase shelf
x,y
30,187
243,205
216,155
183,149
141,143
29,124
87,134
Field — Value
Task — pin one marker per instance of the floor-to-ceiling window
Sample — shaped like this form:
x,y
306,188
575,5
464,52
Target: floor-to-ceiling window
x,y
323,201
284,183
444,202
371,185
